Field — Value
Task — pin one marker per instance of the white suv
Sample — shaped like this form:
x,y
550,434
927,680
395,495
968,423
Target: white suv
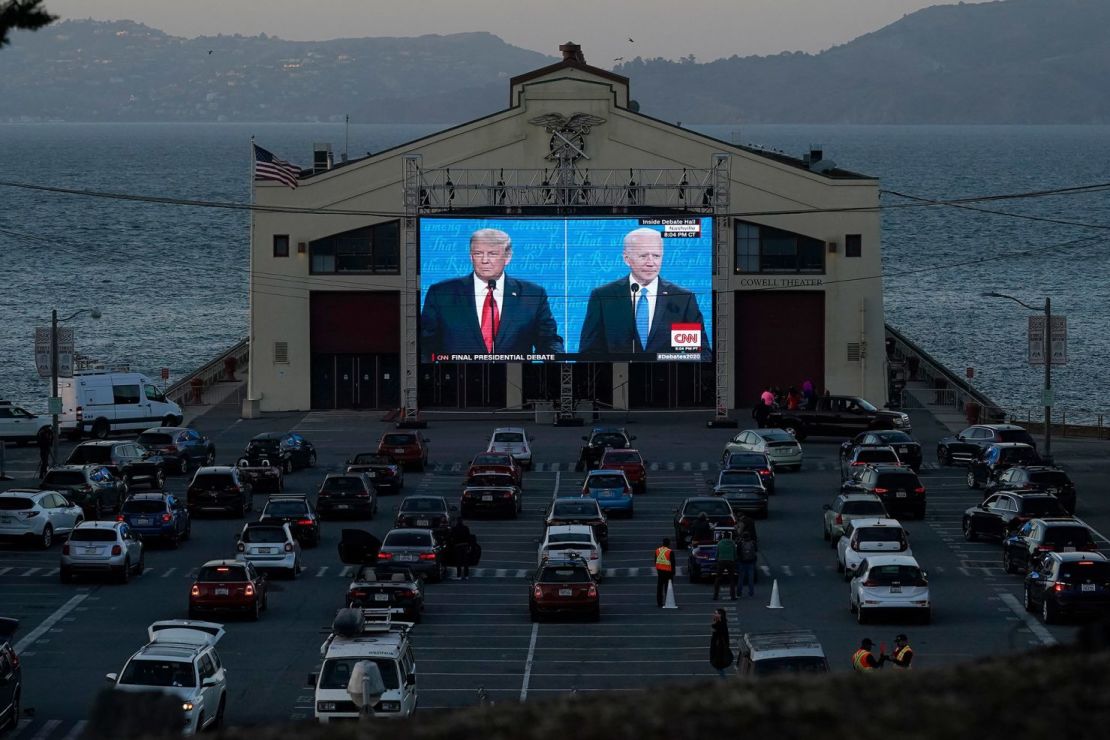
x,y
890,583
37,515
513,440
181,660
19,425
866,537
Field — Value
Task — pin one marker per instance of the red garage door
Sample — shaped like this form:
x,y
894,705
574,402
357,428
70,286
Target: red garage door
x,y
780,341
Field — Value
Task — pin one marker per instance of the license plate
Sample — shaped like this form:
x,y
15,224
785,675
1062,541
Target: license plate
x,y
900,494
265,550
371,474
566,592
896,588
487,497
91,550
406,558
1069,549
342,506
1088,587
610,494
143,522
424,522
221,592
399,450
903,450
381,597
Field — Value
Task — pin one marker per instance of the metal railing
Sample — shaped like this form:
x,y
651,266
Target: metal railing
x,y
183,391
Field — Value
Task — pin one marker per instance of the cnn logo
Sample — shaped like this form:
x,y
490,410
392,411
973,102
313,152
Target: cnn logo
x,y
686,336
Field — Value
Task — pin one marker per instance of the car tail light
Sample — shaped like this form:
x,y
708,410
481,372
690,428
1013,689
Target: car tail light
x,y
537,592
167,517
304,522
289,547
1062,587
171,449
1085,562
684,522
765,471
857,462
592,591
881,490
360,494
593,555
427,556
195,590
385,556
839,519
406,593
870,584
119,517
235,489
241,547
65,549
919,489
117,550
1045,548
730,522
249,590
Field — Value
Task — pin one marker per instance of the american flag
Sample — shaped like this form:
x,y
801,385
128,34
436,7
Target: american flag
x,y
269,167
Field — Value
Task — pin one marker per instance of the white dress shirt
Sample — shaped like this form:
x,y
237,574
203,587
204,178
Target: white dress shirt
x,y
481,288
653,293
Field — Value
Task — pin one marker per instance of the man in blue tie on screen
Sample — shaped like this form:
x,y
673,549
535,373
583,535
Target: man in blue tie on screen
x,y
635,313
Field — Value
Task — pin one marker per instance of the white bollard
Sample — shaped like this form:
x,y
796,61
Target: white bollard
x,y
670,596
775,602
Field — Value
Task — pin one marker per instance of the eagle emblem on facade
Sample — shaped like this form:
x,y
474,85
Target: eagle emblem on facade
x,y
568,135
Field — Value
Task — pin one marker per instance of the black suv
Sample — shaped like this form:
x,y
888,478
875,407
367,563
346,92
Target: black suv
x,y
998,458
970,443
426,512
897,486
1002,513
1037,537
289,450
597,441
347,494
906,447
757,461
383,470
126,460
1067,583
180,447
297,512
1036,478
219,488
92,487
11,676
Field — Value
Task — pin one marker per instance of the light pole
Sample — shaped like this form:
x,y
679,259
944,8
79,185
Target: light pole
x,y
1047,366
54,321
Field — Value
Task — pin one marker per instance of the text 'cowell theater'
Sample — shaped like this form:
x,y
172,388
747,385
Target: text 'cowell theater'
x,y
567,249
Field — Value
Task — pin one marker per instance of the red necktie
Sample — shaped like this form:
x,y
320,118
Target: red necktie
x,y
490,319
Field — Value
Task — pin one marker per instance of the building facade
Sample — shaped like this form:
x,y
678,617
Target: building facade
x,y
797,277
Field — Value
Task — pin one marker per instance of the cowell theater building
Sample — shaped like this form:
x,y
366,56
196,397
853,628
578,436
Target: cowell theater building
x,y
335,268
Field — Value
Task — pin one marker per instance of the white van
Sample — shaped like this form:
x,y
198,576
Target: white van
x,y
101,402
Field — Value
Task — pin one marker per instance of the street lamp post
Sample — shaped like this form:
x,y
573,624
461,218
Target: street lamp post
x,y
1047,365
54,321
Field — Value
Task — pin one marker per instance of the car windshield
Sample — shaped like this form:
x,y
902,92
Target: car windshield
x,y
605,481
863,508
1084,570
894,436
336,672
399,440
740,478
491,458
608,439
144,506
715,507
1016,435
365,459
622,457
213,480
263,534
511,438
801,664
13,503
876,455
423,505
63,478
285,508
1050,478
575,508
564,575
90,455
222,574
92,534
154,439
885,575
342,483
407,539
1066,536
141,672
880,534
1042,506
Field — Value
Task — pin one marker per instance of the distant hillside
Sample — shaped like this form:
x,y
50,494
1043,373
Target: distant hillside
x,y
1017,61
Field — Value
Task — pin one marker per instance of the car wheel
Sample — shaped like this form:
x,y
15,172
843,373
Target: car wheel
x,y
839,566
312,459
168,420
971,482
287,466
158,480
17,712
46,539
175,540
188,531
943,458
219,720
183,465
210,458
141,567
1027,600
256,611
969,530
1008,562
125,572
1048,611
826,534
100,429
241,509
200,723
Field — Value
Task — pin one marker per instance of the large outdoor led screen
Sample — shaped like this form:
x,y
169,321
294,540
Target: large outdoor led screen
x,y
566,289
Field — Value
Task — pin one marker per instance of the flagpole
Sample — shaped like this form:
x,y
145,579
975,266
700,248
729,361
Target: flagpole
x,y
252,357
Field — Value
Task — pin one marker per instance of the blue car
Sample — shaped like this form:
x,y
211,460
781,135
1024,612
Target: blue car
x,y
157,515
701,563
611,490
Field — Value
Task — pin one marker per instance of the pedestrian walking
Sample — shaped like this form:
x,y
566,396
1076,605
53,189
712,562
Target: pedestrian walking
x,y
864,660
460,549
903,653
761,412
726,566
46,445
720,647
747,554
664,570
809,395
745,523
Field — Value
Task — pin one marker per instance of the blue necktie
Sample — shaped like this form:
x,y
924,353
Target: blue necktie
x,y
642,319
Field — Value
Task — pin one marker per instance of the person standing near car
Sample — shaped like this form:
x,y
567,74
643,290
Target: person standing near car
x,y
664,570
863,660
747,554
46,444
903,653
726,566
460,549
720,649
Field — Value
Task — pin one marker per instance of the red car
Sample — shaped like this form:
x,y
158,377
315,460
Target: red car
x,y
496,462
228,585
563,588
631,463
406,448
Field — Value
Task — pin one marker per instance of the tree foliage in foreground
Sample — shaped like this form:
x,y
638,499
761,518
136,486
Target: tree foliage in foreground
x,y
24,14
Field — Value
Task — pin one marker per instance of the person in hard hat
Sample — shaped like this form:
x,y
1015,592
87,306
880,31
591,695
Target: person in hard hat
x,y
664,570
903,653
864,660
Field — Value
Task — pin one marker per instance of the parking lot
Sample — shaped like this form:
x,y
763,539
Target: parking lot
x,y
477,634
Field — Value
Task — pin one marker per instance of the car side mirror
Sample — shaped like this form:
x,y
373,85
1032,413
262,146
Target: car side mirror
x,y
210,681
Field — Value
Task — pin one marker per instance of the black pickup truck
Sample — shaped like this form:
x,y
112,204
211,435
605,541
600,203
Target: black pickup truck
x,y
837,416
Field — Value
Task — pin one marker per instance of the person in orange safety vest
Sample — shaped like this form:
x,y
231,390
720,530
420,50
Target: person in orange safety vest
x,y
664,570
903,653
864,660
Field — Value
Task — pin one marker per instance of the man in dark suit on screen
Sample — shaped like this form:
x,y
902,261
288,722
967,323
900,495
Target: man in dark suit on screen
x,y
487,312
636,313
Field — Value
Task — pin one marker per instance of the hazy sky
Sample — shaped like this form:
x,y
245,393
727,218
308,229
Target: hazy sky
x,y
708,29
